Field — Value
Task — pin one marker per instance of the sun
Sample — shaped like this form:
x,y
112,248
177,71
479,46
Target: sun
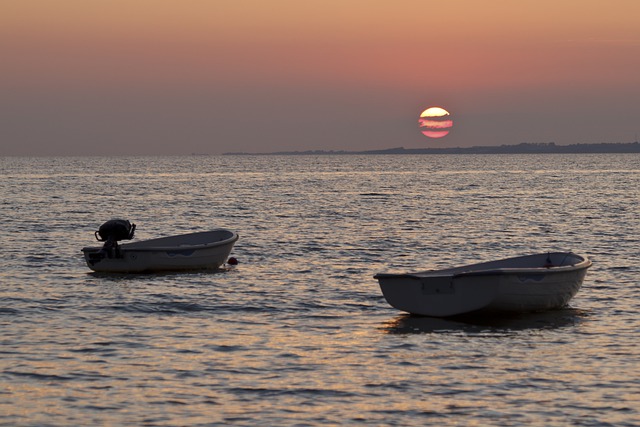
x,y
435,122
434,112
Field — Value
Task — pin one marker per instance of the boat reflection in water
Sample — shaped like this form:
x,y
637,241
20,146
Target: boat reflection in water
x,y
479,324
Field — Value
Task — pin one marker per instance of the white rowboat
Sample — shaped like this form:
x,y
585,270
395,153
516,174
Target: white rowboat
x,y
193,251
522,284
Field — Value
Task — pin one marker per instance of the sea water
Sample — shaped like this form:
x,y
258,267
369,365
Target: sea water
x,y
298,333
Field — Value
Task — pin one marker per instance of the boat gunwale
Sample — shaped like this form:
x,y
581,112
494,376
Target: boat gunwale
x,y
126,246
456,272
528,270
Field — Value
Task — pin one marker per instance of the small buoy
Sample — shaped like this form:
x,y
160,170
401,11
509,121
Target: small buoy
x,y
232,261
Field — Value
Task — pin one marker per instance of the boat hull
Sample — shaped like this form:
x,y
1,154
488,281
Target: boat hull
x,y
195,251
511,285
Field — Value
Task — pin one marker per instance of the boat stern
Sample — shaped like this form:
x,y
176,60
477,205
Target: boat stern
x,y
436,296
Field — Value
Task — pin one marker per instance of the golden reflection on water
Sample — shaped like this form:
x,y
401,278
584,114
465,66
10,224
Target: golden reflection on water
x,y
298,332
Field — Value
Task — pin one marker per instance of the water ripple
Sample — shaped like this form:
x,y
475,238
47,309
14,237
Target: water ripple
x,y
298,332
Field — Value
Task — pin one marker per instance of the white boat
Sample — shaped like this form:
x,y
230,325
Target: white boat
x,y
522,284
192,251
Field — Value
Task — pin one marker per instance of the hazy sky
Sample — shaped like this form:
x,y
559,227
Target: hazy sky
x,y
209,76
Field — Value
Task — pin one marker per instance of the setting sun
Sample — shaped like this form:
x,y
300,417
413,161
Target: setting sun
x,y
434,112
435,122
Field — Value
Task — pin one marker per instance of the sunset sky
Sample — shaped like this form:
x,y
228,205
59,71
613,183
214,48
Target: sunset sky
x,y
158,77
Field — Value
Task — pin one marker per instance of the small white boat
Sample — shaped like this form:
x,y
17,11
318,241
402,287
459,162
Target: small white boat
x,y
522,284
192,251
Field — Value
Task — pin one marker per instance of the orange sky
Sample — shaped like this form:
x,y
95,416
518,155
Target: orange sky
x,y
175,77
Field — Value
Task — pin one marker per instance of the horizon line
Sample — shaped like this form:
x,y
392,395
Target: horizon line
x,y
522,148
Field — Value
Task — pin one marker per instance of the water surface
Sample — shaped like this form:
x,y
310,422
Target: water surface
x,y
298,333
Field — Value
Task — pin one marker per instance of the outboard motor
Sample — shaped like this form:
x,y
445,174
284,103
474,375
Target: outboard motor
x,y
111,232
115,230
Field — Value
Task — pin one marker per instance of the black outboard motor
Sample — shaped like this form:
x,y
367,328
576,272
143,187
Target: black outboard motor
x,y
111,232
115,230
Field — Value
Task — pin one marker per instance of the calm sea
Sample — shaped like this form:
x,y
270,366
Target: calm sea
x,y
298,333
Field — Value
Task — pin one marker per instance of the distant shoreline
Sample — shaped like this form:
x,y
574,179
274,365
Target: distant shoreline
x,y
524,148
